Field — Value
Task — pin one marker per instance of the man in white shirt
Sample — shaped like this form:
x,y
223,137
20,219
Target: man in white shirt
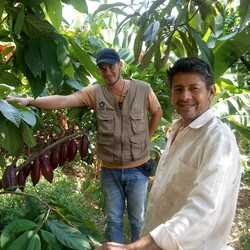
x,y
194,195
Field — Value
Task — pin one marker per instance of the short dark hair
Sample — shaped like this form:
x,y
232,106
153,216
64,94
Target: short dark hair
x,y
192,64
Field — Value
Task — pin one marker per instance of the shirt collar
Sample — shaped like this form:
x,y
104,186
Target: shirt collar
x,y
199,121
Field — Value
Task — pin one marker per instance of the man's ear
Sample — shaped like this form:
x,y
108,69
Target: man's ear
x,y
120,63
212,90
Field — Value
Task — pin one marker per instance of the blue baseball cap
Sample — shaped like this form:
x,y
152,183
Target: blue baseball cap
x,y
107,55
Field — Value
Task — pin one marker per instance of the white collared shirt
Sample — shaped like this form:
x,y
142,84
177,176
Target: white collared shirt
x,y
194,195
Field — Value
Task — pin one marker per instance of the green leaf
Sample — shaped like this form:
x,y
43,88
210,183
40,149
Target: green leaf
x,y
54,10
150,34
5,90
10,112
225,52
28,117
51,240
28,136
206,52
74,84
68,236
81,5
32,57
34,26
34,243
8,131
23,241
244,10
106,7
10,232
19,22
49,59
9,79
85,59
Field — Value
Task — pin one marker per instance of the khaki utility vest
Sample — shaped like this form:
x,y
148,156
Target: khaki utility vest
x,y
122,133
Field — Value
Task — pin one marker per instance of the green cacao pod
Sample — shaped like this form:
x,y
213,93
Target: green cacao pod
x,y
54,157
21,180
9,180
63,154
36,171
83,146
47,169
72,150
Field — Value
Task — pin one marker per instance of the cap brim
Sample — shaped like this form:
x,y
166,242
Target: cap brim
x,y
109,61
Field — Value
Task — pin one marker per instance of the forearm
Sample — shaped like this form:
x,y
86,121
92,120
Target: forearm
x,y
154,121
48,102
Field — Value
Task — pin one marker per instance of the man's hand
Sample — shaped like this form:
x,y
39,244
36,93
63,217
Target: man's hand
x,y
21,101
112,246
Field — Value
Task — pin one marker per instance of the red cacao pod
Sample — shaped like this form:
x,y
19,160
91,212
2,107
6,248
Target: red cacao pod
x,y
63,153
36,172
9,180
21,180
72,150
26,170
83,146
54,157
47,169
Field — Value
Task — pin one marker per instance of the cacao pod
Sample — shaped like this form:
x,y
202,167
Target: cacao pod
x,y
26,170
21,180
36,171
47,169
54,157
9,180
72,150
63,154
83,146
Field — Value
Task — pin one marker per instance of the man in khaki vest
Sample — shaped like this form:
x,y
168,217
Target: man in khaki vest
x,y
123,137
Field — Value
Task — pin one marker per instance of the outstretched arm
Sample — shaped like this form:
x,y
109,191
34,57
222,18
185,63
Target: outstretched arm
x,y
48,102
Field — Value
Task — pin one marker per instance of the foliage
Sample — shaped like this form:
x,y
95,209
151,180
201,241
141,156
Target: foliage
x,y
54,217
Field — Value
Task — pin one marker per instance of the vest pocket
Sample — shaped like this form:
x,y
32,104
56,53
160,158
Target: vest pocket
x,y
106,124
139,147
138,122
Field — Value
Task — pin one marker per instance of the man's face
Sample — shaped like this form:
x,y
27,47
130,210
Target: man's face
x,y
190,96
109,72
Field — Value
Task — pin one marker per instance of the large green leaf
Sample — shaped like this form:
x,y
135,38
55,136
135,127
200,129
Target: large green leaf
x,y
23,242
85,59
19,22
51,240
34,243
106,7
10,137
244,13
54,10
10,112
5,90
80,5
68,236
32,57
9,79
50,63
34,26
150,34
228,49
10,232
206,52
28,137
